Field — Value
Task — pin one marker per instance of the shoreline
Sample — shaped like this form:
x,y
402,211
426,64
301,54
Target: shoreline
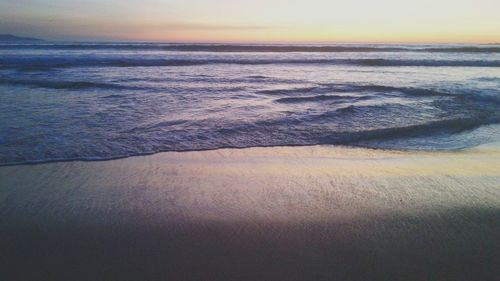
x,y
495,145
276,213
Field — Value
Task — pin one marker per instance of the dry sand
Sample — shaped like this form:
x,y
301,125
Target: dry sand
x,y
283,213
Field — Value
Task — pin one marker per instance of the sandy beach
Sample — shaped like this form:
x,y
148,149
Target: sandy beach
x,y
281,213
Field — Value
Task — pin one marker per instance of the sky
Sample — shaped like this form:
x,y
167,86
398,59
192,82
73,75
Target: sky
x,y
440,21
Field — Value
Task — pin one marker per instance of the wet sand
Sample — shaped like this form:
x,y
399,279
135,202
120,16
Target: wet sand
x,y
283,213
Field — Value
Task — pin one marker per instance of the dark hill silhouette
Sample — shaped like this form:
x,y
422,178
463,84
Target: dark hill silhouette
x,y
15,39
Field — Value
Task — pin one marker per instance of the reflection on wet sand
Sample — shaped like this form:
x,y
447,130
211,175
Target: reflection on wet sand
x,y
302,213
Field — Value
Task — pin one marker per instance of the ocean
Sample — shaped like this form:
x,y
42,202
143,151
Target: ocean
x,y
97,101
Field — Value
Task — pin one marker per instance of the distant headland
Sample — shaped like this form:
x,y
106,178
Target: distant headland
x,y
9,38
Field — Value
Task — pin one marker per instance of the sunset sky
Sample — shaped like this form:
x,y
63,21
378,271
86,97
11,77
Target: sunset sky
x,y
255,21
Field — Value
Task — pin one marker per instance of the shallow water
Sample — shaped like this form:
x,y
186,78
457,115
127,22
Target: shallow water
x,y
63,101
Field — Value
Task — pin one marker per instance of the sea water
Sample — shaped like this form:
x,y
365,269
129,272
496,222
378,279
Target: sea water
x,y
96,101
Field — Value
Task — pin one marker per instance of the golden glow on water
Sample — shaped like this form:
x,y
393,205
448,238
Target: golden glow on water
x,y
272,184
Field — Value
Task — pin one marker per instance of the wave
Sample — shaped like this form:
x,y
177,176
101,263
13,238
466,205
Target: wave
x,y
355,139
221,48
114,96
20,63
257,77
411,91
448,126
319,98
462,50
349,88
155,126
371,125
437,63
488,79
66,85
278,92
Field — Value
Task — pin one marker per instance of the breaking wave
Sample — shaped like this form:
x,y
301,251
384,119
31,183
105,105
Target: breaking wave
x,y
221,48
19,63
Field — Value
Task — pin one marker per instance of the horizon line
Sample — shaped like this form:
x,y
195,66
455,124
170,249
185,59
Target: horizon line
x,y
254,42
